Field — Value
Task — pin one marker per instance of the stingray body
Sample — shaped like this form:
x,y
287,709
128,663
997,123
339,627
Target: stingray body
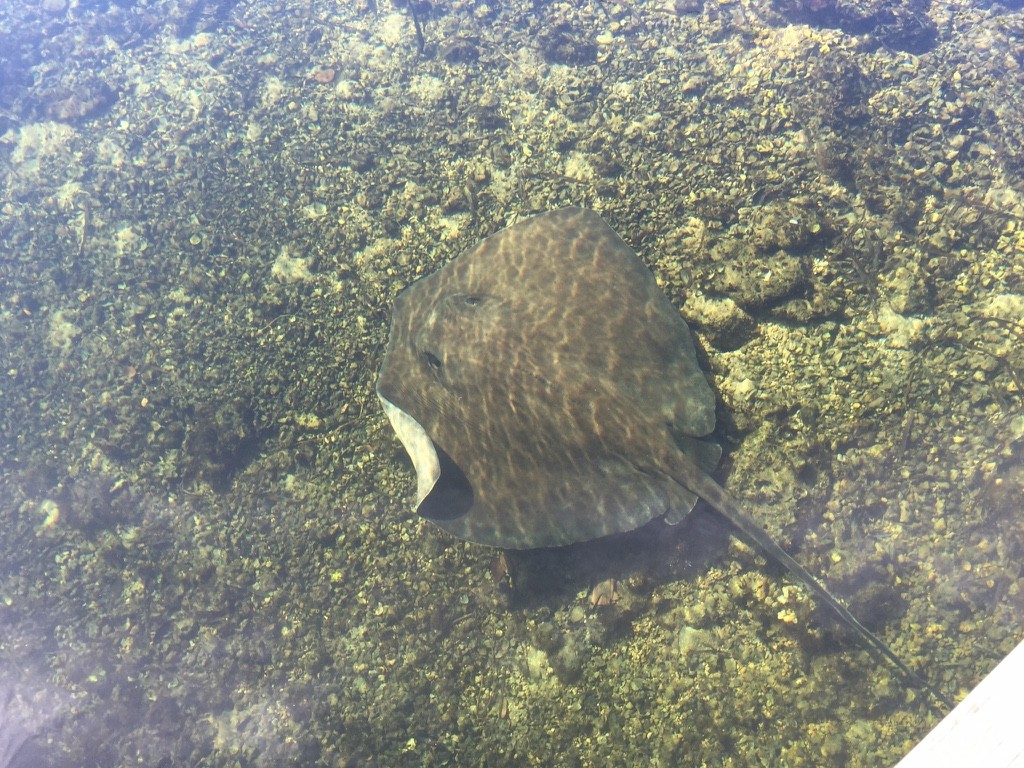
x,y
549,393
557,384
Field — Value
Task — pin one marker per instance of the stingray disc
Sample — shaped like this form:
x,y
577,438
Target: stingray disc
x,y
545,388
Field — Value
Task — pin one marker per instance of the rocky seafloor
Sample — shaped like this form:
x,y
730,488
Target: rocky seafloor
x,y
208,555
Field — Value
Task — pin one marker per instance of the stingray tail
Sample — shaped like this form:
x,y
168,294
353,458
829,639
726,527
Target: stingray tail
x,y
711,492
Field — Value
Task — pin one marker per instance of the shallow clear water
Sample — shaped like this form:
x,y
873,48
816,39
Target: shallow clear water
x,y
208,555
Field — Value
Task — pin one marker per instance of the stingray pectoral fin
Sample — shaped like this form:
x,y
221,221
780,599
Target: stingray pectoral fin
x,y
452,494
704,453
443,491
418,445
682,506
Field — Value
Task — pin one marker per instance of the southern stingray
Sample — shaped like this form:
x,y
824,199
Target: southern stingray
x,y
548,393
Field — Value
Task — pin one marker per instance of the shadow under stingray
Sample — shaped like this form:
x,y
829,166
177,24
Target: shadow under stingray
x,y
658,554
654,554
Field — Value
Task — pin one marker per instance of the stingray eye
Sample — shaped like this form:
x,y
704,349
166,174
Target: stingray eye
x,y
472,301
433,363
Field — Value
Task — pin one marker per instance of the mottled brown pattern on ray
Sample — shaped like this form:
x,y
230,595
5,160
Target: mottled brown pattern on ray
x,y
552,370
